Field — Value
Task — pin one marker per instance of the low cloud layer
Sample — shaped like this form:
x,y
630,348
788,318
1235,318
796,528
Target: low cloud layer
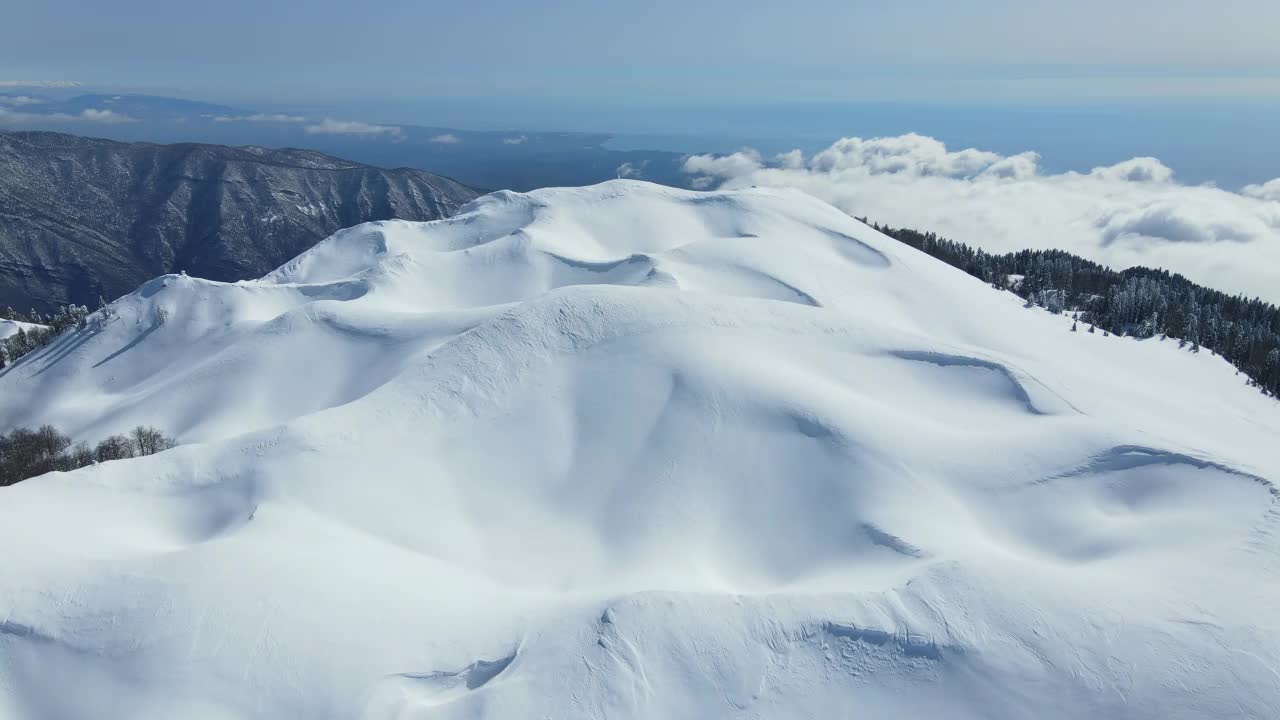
x,y
260,118
518,140
39,84
1130,213
446,139
17,118
109,117
329,126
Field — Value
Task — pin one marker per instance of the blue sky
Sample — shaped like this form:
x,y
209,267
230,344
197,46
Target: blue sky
x,y
658,51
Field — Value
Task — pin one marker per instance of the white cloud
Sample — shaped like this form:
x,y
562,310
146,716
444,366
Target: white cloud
x,y
20,100
275,118
14,117
1266,191
519,140
1130,213
109,117
446,139
743,162
39,84
329,126
632,170
259,118
913,154
1142,169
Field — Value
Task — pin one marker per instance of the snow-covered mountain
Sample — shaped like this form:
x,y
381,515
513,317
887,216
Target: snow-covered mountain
x,y
629,451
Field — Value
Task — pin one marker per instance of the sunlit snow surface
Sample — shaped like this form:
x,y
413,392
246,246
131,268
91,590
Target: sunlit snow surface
x,y
633,452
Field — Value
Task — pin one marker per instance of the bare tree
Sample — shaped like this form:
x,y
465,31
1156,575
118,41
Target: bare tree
x,y
81,455
116,447
26,453
148,440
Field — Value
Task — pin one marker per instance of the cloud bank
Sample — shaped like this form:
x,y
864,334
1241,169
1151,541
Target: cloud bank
x,y
89,115
329,126
39,84
446,139
260,118
1131,213
109,117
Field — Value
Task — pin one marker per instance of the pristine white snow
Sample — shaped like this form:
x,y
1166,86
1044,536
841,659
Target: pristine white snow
x,y
628,451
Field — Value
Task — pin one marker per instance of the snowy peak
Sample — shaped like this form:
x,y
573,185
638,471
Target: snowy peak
x,y
550,237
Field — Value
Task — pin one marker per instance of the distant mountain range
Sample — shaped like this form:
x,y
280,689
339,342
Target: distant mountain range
x,y
82,218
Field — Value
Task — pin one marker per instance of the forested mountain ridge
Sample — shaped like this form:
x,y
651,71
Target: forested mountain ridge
x,y
1140,302
83,217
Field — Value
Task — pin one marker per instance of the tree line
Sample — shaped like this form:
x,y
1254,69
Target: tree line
x,y
1138,302
26,453
49,327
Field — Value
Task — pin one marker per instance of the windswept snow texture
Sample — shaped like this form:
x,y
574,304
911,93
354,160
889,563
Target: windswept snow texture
x,y
627,451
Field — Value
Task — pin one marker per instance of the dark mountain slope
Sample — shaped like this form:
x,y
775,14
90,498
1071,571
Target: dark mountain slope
x,y
83,217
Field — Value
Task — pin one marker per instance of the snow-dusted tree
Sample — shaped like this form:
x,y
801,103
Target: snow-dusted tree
x,y
104,315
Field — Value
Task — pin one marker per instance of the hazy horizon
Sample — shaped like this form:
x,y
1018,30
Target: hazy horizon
x,y
569,51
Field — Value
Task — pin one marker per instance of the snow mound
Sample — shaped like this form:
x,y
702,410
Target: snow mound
x,y
631,451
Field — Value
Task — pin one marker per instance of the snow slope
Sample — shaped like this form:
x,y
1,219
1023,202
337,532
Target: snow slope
x,y
630,451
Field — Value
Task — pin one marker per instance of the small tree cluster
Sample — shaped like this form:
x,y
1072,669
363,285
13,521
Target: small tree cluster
x,y
26,453
65,317
50,327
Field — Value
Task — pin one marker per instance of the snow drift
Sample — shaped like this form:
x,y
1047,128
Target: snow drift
x,y
630,451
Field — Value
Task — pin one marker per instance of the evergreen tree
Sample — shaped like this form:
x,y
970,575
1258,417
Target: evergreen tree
x,y
1138,302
